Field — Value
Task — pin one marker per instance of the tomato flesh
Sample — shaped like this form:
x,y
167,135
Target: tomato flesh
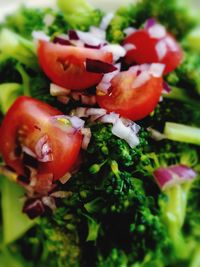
x,y
129,102
27,121
146,50
65,65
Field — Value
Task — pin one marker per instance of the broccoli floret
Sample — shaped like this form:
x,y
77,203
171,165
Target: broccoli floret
x,y
80,13
186,76
27,20
176,18
14,46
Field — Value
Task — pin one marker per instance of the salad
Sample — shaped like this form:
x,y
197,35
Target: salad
x,y
99,136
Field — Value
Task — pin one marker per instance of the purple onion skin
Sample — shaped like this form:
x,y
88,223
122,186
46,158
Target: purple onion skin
x,y
61,41
166,87
150,22
98,66
175,174
73,35
33,208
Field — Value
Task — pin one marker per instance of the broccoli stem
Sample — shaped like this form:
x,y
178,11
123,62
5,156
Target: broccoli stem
x,y
180,95
182,133
173,213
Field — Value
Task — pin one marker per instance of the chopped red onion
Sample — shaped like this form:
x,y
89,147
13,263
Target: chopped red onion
x,y
88,99
129,30
99,33
104,85
63,99
149,23
167,177
166,88
61,194
93,46
129,47
62,40
73,35
43,149
49,202
87,136
109,118
89,38
33,208
56,90
126,133
117,50
96,111
157,31
106,21
161,49
141,79
98,66
65,178
80,112
171,43
76,122
39,35
157,69
77,43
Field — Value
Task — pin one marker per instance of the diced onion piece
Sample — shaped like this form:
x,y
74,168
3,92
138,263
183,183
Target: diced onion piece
x,y
87,136
33,208
88,99
141,79
109,118
39,35
167,177
61,194
149,23
97,32
157,69
157,31
43,149
95,111
81,112
161,49
106,21
171,44
166,88
129,30
56,90
129,47
65,178
63,99
98,66
49,202
76,122
126,133
118,51
62,39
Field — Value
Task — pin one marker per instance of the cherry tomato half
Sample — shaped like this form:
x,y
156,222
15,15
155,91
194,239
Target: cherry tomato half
x,y
129,102
65,65
147,49
27,127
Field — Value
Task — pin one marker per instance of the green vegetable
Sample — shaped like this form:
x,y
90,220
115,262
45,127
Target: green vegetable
x,y
17,47
15,223
182,133
193,39
8,93
79,14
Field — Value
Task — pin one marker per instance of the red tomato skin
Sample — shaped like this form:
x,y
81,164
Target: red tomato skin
x,y
145,51
75,77
134,104
30,119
